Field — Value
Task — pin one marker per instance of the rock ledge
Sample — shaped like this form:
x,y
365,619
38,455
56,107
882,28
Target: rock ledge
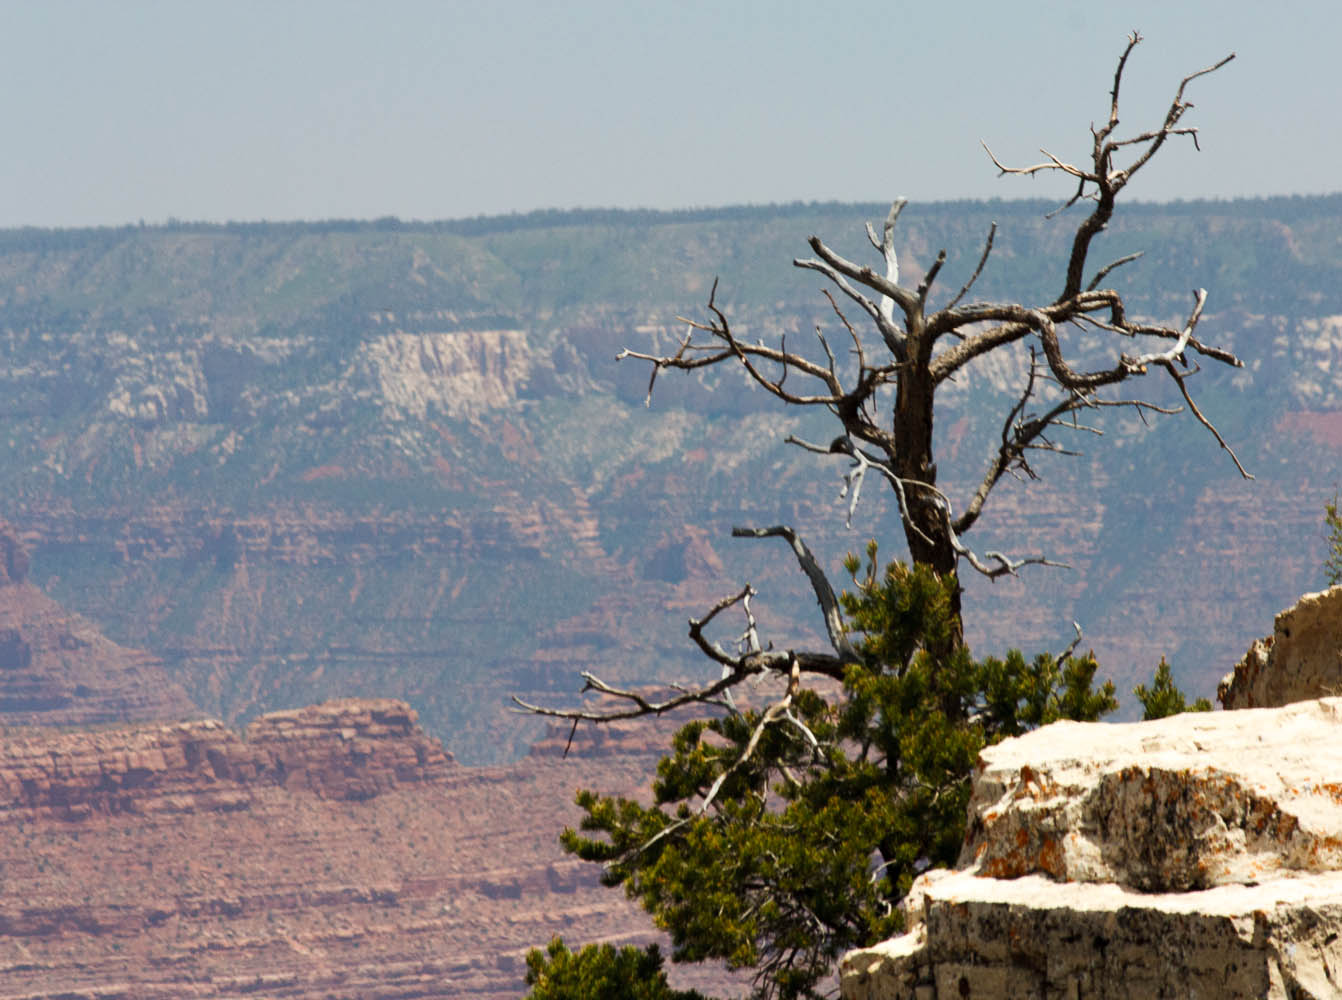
x,y
1195,856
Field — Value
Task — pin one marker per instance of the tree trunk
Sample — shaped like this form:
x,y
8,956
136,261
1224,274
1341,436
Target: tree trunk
x,y
927,530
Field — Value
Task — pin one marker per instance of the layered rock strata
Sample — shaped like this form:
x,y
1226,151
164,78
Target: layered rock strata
x,y
329,852
350,749
1195,856
1012,939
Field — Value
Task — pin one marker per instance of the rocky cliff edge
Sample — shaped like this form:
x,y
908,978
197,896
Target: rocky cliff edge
x,y
1197,856
1301,659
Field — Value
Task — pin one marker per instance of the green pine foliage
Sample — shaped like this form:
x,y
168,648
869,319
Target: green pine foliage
x,y
812,840
1332,564
1163,698
599,972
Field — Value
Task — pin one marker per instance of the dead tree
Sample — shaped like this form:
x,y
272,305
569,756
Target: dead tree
x,y
884,396
787,833
920,349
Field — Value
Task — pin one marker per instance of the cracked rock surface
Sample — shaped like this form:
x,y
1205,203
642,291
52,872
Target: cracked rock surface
x,y
1194,856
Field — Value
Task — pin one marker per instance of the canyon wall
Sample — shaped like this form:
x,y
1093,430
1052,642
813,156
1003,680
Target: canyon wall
x,y
332,851
298,462
57,668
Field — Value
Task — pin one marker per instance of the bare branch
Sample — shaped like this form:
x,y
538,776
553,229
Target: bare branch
x,y
1177,108
1051,163
892,335
903,298
1140,405
640,705
1165,357
948,362
1183,388
725,345
711,649
886,248
1106,178
1068,376
1103,272
750,638
829,449
778,710
1017,435
857,341
1071,646
824,594
925,285
983,259
1003,565
852,484
1134,40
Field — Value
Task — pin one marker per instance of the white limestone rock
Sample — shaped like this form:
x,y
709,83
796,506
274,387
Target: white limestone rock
x,y
457,373
1184,803
1302,658
1031,937
1197,856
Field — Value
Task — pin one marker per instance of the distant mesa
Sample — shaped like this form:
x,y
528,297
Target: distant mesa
x,y
332,850
346,750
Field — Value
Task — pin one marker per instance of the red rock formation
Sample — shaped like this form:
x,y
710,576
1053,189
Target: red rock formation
x,y
58,669
333,851
344,750
686,553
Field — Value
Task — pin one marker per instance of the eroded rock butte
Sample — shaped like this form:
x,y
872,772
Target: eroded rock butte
x,y
331,851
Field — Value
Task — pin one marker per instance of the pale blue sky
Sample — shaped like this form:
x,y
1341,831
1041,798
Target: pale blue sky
x,y
121,110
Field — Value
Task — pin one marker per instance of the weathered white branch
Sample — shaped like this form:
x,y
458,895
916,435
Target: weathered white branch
x,y
1180,345
1071,646
778,710
641,705
824,593
886,247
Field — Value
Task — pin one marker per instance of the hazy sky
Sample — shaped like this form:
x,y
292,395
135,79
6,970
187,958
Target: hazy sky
x,y
121,110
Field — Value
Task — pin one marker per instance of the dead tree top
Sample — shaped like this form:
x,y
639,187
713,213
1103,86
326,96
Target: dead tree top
x,y
920,349
883,392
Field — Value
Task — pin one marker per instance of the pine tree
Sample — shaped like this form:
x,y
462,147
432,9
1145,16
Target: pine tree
x,y
781,836
778,847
